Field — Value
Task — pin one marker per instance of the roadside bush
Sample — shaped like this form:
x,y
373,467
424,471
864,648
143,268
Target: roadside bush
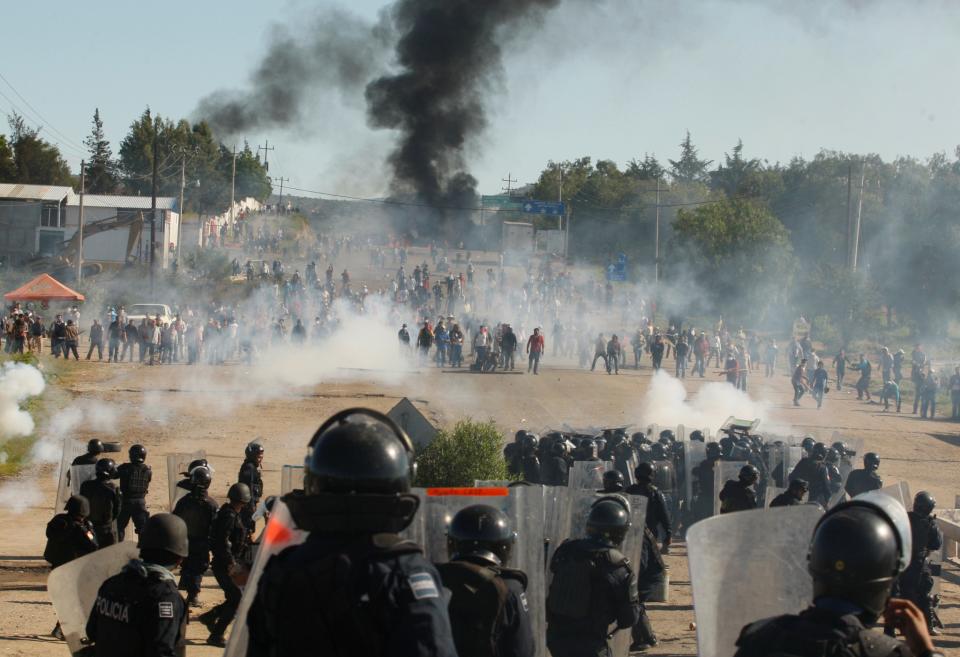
x,y
457,457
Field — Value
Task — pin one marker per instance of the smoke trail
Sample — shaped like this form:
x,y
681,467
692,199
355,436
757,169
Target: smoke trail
x,y
334,52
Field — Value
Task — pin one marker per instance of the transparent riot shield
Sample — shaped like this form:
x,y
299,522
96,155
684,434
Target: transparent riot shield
x,y
588,474
899,491
291,478
80,474
767,547
724,471
177,464
694,453
281,532
851,461
681,433
73,587
71,450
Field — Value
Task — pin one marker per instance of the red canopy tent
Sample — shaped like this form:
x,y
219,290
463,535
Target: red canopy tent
x,y
44,288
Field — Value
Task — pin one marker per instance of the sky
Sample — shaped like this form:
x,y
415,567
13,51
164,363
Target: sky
x,y
612,79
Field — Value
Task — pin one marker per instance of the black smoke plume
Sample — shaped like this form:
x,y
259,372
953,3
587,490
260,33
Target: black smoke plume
x,y
449,57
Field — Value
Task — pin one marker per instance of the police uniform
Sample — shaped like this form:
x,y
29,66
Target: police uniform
x,y
554,471
509,633
650,575
68,539
104,500
86,459
138,613
703,475
815,473
861,481
134,484
375,592
229,546
531,469
657,519
198,512
251,476
577,624
786,498
916,582
737,496
814,632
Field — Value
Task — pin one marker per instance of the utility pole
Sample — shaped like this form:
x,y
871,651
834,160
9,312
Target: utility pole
x,y
83,181
153,213
560,197
233,184
509,182
656,239
856,226
266,147
280,203
849,216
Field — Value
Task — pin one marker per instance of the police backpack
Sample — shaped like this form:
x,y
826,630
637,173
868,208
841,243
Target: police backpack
x,y
476,607
571,589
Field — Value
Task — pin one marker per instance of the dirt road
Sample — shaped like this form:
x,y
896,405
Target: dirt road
x,y
179,409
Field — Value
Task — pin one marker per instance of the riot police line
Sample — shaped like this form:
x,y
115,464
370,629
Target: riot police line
x,y
357,562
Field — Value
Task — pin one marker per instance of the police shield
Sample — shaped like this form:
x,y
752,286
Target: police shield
x,y
71,450
523,505
694,453
587,474
73,588
291,478
177,464
899,491
725,471
767,547
281,532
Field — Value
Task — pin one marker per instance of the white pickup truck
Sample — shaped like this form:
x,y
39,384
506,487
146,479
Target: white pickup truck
x,y
139,311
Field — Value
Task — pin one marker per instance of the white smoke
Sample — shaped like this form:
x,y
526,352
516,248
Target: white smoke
x,y
18,382
666,403
19,495
88,416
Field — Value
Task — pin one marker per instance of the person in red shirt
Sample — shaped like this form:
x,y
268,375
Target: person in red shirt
x,y
534,349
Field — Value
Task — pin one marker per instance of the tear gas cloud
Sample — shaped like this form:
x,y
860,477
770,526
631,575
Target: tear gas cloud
x,y
84,416
18,382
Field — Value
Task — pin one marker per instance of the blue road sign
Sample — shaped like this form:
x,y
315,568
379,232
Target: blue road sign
x,y
543,207
617,272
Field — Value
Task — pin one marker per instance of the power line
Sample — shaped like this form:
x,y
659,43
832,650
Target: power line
x,y
40,116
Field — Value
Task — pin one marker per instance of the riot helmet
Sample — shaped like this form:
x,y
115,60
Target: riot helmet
x,y
858,550
94,446
697,435
924,504
612,480
871,461
253,451
713,451
530,442
519,436
200,478
638,438
164,533
842,449
480,531
197,463
106,469
819,452
268,503
832,457
668,435
657,452
78,505
239,494
138,454
559,448
726,445
609,521
749,475
798,487
643,472
807,443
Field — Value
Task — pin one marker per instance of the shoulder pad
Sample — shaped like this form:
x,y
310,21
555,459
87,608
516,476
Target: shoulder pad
x,y
758,628
516,575
875,644
617,558
393,544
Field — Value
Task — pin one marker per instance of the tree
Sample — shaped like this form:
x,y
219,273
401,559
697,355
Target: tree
x,y
36,162
471,451
647,169
101,169
737,251
689,168
252,179
136,153
8,167
732,176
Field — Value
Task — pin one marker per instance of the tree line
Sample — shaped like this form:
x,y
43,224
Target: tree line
x,y
25,157
761,240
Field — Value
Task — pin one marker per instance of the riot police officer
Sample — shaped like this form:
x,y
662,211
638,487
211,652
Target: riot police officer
x,y
586,450
554,469
813,470
135,479
577,623
94,450
139,612
916,582
857,551
651,572
530,462
513,453
186,483
658,519
612,482
832,466
793,495
250,474
105,500
703,484
697,436
865,479
69,536
488,606
623,455
739,495
198,510
382,596
229,543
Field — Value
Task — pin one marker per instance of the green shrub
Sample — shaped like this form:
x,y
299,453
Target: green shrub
x,y
457,457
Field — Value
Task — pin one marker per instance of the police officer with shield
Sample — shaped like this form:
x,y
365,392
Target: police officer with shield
x,y
354,587
69,536
488,608
198,510
857,551
104,498
916,582
738,494
138,613
593,585
793,496
865,479
658,519
94,450
135,479
250,474
612,482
